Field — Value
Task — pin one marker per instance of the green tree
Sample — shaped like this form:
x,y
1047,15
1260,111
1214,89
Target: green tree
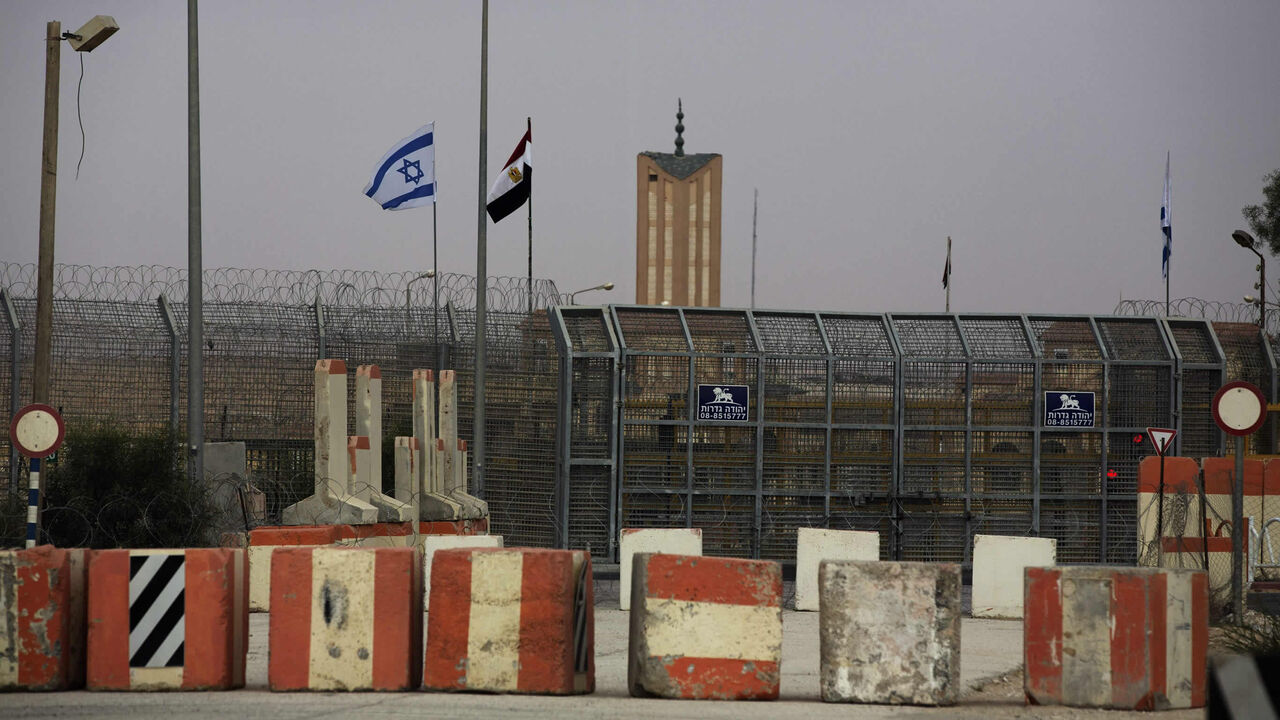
x,y
1264,219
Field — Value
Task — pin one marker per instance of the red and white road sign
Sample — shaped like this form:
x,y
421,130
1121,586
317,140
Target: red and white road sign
x,y
37,430
1239,408
1162,438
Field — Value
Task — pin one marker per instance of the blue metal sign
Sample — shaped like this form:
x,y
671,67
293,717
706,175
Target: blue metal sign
x,y
1068,408
723,402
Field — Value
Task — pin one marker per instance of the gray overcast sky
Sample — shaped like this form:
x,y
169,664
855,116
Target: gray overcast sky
x,y
1033,133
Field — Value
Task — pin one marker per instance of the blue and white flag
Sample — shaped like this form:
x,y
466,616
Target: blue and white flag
x,y
1166,221
406,176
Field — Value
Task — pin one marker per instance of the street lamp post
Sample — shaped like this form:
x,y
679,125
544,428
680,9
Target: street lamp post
x,y
89,36
408,287
601,286
1245,240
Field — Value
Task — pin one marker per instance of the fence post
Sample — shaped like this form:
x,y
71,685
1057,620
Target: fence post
x,y
171,324
319,308
15,378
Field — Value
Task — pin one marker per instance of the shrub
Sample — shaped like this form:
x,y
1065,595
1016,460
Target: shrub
x,y
112,488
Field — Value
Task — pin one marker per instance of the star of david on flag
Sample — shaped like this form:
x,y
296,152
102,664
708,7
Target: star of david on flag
x,y
406,176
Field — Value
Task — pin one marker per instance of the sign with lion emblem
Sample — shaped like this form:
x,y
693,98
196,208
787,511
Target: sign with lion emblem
x,y
1068,408
723,402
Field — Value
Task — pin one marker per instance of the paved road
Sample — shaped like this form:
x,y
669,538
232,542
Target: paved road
x,y
989,648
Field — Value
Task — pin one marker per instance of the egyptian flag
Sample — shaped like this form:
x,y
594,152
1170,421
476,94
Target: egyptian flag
x,y
511,189
946,269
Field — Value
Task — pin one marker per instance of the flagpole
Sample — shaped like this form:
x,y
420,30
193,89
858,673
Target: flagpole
x,y
755,208
435,279
529,120
481,261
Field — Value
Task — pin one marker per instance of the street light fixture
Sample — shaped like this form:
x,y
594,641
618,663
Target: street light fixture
x,y
1245,240
601,286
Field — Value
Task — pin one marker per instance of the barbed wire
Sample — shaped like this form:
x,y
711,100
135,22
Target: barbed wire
x,y
1193,307
347,288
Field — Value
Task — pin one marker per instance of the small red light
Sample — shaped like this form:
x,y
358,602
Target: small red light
x,y
1138,439
1112,474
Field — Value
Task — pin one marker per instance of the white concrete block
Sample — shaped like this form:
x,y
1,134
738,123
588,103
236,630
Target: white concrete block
x,y
889,632
672,541
432,543
813,545
998,562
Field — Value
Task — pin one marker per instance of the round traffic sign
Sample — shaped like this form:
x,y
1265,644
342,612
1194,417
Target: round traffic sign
x,y
1239,408
37,430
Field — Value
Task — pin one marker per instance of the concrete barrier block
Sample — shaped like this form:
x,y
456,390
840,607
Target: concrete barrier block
x,y
264,540
1115,637
672,541
433,543
705,628
333,501
889,632
514,620
998,562
42,618
345,619
813,545
368,487
167,619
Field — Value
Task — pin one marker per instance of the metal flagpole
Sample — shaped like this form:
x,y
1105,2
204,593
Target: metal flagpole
x,y
529,120
481,259
435,279
1168,261
755,208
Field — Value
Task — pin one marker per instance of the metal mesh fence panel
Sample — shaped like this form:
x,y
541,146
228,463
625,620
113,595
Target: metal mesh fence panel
x,y
591,406
996,338
862,392
522,381
724,459
787,334
861,463
1246,359
926,428
589,503
1003,393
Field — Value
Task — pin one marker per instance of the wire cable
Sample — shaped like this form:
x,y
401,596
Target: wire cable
x,y
78,117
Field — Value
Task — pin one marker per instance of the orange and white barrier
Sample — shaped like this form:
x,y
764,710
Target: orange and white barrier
x,y
167,619
514,620
1116,637
345,619
264,540
42,606
632,541
705,627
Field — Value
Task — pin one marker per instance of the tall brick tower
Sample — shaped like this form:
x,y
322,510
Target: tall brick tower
x,y
678,226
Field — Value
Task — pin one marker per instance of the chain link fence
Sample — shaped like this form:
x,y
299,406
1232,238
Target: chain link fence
x,y
120,357
925,428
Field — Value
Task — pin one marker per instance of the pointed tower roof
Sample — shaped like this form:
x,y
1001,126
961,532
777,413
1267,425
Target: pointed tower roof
x,y
678,164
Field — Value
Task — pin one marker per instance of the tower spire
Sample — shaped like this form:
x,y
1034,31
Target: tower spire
x,y
679,127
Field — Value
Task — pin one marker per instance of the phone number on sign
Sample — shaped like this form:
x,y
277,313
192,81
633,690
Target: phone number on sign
x,y
1069,422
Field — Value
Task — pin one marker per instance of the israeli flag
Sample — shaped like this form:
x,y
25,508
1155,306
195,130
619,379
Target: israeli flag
x,y
406,176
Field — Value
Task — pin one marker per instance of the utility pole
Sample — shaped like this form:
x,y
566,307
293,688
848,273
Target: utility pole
x,y
48,203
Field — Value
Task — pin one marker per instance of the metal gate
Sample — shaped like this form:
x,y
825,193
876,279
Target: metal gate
x,y
928,428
